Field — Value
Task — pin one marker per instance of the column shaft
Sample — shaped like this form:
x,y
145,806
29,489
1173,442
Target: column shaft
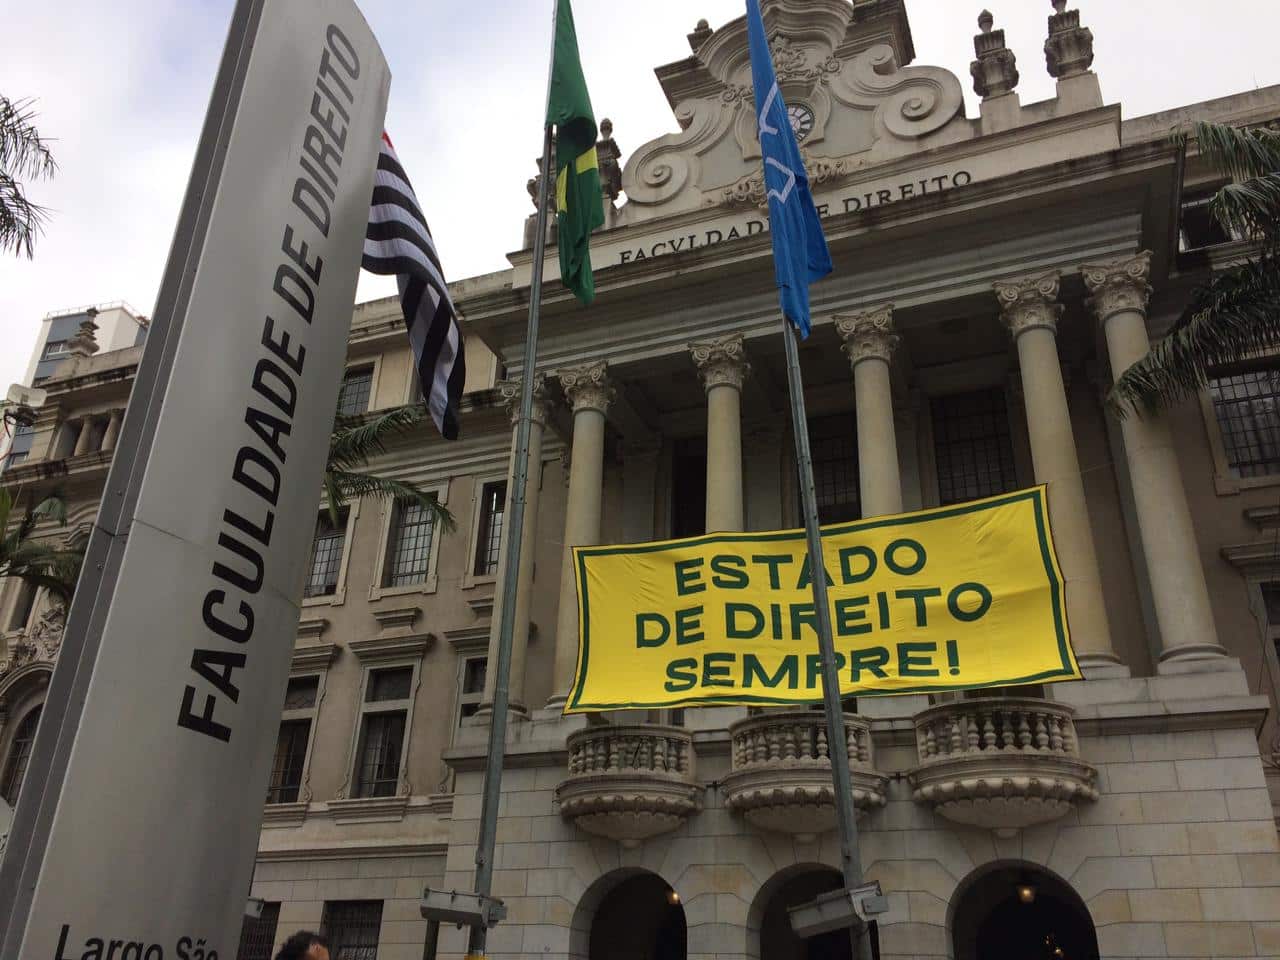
x,y
723,367
589,392
1031,310
84,437
113,430
1187,630
869,341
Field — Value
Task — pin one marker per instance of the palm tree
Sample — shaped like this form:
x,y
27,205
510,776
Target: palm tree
x,y
354,441
32,561
1236,314
23,156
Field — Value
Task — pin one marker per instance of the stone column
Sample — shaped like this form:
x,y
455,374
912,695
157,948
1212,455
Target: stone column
x,y
524,576
113,430
869,341
723,366
1119,298
589,392
1030,309
84,437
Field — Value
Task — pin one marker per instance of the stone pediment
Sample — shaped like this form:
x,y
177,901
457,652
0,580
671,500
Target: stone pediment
x,y
853,104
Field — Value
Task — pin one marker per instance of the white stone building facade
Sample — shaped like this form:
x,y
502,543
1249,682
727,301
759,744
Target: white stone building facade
x,y
993,273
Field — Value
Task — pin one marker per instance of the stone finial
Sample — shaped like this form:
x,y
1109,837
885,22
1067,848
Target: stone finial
x,y
1118,285
721,362
85,342
608,159
868,335
995,72
1030,303
532,185
1069,50
510,391
587,386
699,36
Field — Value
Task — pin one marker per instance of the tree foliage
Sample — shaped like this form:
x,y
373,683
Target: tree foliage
x,y
24,156
32,561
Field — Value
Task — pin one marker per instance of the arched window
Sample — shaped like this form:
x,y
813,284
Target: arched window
x,y
19,755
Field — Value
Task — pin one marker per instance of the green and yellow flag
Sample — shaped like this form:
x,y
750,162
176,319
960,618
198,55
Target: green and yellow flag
x,y
578,198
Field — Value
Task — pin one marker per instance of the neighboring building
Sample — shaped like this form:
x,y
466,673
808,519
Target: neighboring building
x,y
116,326
991,274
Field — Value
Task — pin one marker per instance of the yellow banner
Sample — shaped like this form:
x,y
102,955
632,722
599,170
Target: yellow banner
x,y
956,597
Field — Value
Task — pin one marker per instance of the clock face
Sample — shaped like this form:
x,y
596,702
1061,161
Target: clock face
x,y
801,120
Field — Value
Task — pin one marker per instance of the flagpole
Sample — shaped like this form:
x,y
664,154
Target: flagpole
x,y
850,856
486,841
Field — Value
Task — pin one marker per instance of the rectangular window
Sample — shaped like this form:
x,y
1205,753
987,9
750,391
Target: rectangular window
x,y
15,770
353,398
291,756
326,556
54,350
689,487
258,934
13,459
381,748
409,551
1246,408
1271,601
973,446
473,676
351,927
493,505
1198,227
833,444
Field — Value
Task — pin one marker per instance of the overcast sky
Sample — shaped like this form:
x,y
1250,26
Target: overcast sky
x,y
122,88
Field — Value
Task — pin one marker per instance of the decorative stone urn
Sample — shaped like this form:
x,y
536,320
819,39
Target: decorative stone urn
x,y
1000,762
781,776
629,783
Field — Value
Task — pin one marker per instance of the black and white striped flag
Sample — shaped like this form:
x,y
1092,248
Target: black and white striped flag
x,y
397,241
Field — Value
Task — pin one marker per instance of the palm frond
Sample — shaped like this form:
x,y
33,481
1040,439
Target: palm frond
x,y
1250,208
23,152
21,219
1239,152
355,440
1231,318
351,484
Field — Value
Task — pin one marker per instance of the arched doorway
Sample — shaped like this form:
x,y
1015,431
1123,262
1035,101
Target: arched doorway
x,y
632,916
790,889
1020,910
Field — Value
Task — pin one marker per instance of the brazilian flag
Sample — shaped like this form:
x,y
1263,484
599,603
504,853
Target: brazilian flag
x,y
579,207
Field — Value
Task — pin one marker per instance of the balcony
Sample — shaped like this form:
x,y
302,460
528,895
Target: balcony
x,y
781,776
1003,763
629,783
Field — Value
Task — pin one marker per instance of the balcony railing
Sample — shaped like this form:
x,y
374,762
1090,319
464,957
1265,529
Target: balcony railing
x,y
1000,762
781,776
629,783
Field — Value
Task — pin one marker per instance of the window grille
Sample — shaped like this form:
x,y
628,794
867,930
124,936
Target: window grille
x,y
973,446
410,550
258,934
19,756
382,738
489,537
351,927
1246,407
326,556
473,677
353,398
833,446
291,756
389,685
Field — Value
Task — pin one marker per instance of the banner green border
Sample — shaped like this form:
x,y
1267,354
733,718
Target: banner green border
x,y
1039,499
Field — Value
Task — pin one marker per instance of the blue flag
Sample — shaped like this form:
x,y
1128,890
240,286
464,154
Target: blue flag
x,y
800,253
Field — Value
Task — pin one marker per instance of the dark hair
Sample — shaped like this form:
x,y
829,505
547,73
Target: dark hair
x,y
296,947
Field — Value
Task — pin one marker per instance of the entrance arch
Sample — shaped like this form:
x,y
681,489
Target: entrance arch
x,y
629,915
1017,909
771,934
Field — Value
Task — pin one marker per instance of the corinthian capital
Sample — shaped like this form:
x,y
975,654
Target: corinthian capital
x,y
1119,285
510,390
1029,303
721,362
868,335
587,386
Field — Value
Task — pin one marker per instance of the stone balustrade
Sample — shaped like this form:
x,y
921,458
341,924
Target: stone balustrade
x,y
781,776
1000,762
629,783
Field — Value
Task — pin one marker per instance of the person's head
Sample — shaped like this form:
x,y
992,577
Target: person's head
x,y
304,945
